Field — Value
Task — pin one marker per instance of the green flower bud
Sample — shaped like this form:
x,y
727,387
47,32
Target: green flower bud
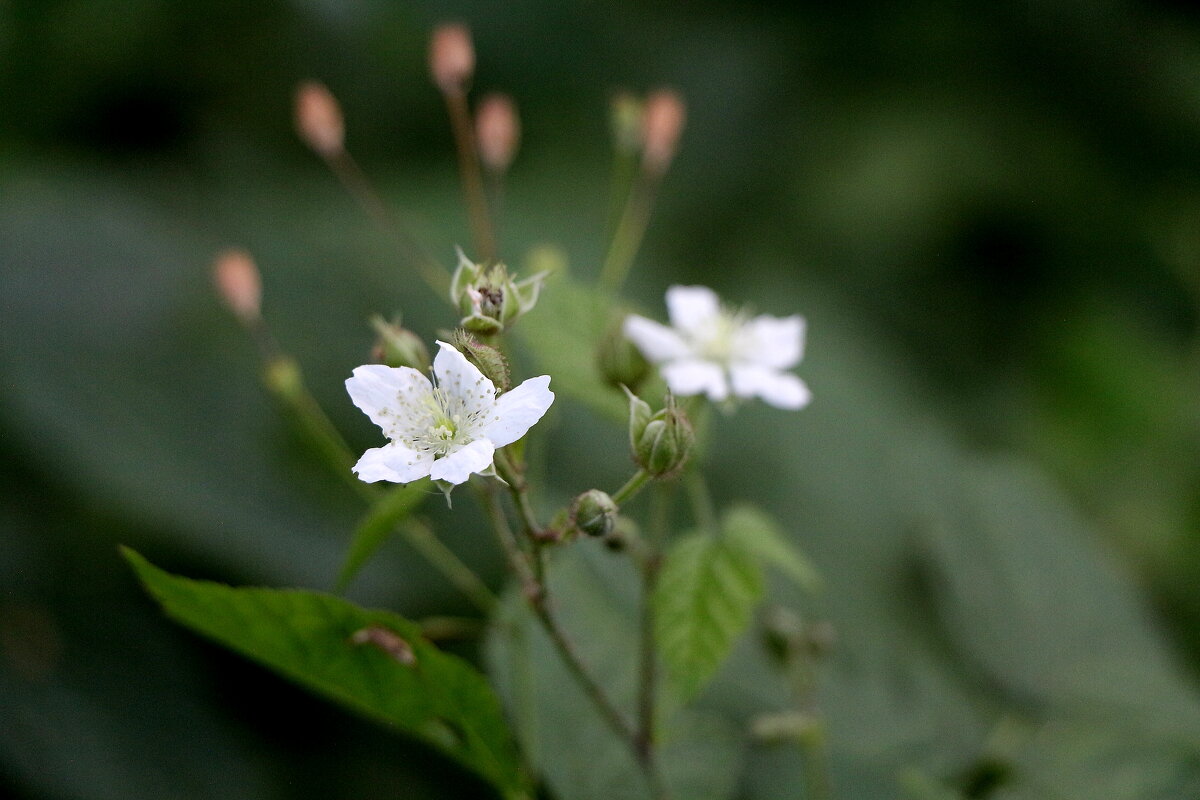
x,y
621,362
491,362
594,513
639,417
399,347
661,442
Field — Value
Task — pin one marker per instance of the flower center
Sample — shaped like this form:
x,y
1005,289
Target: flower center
x,y
717,342
447,426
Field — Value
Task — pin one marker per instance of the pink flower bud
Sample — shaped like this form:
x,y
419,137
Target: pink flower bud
x,y
498,131
662,123
319,119
239,284
451,57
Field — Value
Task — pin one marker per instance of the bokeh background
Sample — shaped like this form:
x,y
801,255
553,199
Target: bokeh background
x,y
989,213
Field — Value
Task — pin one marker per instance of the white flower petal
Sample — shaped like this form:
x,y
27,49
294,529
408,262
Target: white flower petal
x,y
691,376
395,398
461,379
657,342
517,410
456,467
693,309
776,342
393,462
780,389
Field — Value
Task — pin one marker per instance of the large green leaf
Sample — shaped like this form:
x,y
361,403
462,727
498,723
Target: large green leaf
x,y
705,598
1046,616
396,676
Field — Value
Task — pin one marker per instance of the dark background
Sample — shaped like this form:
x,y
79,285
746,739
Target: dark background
x,y
990,213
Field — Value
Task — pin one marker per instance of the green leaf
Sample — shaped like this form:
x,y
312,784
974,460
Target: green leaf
x,y
395,676
704,600
379,524
753,530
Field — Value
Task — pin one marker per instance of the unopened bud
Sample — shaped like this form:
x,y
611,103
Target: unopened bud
x,y
663,442
498,131
239,284
594,513
662,124
319,119
398,346
451,57
490,361
625,119
620,362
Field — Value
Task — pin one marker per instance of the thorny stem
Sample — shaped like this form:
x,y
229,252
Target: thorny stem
x,y
471,174
529,568
631,229
647,674
351,176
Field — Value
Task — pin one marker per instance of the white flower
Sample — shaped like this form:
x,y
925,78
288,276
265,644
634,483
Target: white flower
x,y
714,351
446,429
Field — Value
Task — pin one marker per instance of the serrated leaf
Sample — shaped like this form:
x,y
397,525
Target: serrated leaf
x,y
749,528
392,675
704,600
379,524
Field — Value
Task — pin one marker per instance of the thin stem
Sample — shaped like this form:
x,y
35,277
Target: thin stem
x,y
701,500
351,176
631,488
518,559
529,567
422,539
816,762
812,739
495,185
471,174
615,720
631,229
651,567
513,474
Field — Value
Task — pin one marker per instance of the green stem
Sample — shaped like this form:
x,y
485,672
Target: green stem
x,y
816,761
530,570
631,488
701,500
355,181
631,229
513,475
471,175
422,539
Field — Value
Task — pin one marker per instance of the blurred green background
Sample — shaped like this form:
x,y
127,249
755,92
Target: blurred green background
x,y
989,213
